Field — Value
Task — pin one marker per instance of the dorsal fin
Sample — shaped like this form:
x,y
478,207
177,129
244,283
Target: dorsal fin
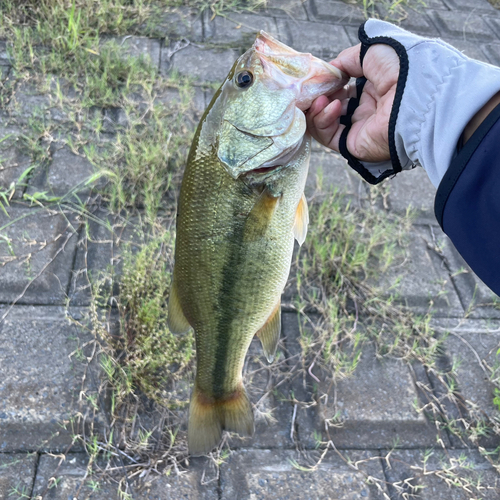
x,y
301,220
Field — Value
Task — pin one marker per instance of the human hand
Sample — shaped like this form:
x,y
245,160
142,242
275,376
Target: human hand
x,y
368,138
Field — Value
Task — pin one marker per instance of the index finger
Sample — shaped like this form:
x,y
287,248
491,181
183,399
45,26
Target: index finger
x,y
348,61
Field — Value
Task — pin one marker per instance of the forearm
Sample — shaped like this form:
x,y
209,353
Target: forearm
x,y
480,116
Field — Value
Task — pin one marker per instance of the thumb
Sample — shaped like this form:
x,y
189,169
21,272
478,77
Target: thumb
x,y
349,62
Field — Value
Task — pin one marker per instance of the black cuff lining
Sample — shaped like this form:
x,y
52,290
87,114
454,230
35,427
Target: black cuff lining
x,y
346,120
459,163
351,107
400,87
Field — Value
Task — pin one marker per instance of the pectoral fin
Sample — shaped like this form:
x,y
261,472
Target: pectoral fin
x,y
176,320
269,334
301,221
260,216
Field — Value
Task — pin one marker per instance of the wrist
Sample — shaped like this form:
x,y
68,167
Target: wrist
x,y
479,117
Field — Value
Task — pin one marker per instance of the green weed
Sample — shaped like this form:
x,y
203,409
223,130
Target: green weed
x,y
347,249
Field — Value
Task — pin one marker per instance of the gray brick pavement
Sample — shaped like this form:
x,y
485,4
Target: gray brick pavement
x,y
42,387
435,476
17,472
271,474
36,252
366,414
14,161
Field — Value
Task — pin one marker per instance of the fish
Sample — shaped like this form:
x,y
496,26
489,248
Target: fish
x,y
241,205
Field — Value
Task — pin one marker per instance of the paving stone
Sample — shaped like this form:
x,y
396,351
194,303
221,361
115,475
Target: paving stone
x,y
494,23
321,40
433,5
411,20
136,46
29,102
66,478
373,408
201,64
469,342
17,473
72,483
412,189
329,171
4,72
236,29
293,9
477,299
467,26
270,474
95,258
476,6
492,50
38,396
327,11
198,483
67,172
177,23
100,253
139,107
36,249
470,49
422,282
352,33
171,96
13,158
5,59
450,475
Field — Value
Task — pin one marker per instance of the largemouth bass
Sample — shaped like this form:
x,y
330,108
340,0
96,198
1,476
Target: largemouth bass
x,y
240,207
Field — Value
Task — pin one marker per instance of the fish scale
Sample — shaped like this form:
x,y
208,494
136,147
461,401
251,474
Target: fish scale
x,y
236,226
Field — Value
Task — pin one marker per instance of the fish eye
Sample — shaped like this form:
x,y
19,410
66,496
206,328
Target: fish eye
x,y
244,79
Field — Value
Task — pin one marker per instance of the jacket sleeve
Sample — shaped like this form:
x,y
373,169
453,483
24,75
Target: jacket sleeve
x,y
467,203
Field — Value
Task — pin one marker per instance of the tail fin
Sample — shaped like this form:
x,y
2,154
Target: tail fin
x,y
208,417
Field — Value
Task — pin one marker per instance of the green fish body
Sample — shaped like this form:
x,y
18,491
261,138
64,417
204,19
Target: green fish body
x,y
240,207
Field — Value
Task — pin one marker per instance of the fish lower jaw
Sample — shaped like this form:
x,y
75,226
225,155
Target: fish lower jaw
x,y
273,168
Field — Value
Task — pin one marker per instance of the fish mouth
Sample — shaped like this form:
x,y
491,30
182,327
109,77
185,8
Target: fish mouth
x,y
272,168
264,170
262,174
308,75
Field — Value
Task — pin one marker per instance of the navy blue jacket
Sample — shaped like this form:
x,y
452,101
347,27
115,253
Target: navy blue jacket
x,y
467,204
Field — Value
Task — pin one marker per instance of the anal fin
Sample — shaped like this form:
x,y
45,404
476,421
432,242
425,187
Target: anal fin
x,y
301,220
269,334
177,322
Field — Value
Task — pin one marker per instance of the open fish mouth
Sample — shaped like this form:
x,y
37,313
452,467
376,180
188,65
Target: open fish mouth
x,y
263,174
265,170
